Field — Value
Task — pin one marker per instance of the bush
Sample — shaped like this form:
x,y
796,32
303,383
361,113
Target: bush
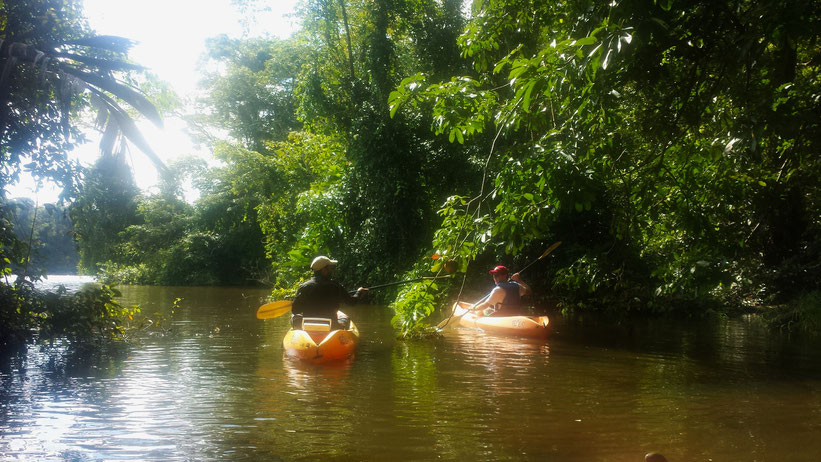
x,y
90,316
804,314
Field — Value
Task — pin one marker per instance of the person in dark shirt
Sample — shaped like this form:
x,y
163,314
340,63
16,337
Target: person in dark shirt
x,y
321,296
505,298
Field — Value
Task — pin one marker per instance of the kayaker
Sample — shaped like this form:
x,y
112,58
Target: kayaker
x,y
506,298
321,296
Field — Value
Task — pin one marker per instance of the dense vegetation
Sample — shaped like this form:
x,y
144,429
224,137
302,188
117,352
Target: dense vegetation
x,y
52,66
670,145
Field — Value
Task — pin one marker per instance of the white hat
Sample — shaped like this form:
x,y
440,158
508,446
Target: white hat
x,y
321,262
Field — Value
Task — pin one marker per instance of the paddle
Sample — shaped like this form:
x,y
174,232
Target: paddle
x,y
408,281
447,320
546,253
274,309
280,307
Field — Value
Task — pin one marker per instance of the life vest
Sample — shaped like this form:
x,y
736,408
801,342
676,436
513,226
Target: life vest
x,y
512,296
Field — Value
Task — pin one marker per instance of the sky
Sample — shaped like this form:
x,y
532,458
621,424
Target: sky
x,y
171,37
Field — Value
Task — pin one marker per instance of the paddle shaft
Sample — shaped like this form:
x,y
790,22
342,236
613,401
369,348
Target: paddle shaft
x,y
404,282
280,307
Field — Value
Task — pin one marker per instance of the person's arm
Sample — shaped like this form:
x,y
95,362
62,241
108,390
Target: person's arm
x,y
349,299
524,289
496,296
360,292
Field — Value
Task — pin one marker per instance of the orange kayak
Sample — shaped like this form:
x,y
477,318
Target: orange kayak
x,y
522,326
316,342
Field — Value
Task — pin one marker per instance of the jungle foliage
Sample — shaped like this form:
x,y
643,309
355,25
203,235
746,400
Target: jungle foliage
x,y
670,145
337,174
52,67
167,241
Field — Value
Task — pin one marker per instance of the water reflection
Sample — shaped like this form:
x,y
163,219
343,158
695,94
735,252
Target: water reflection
x,y
51,282
218,387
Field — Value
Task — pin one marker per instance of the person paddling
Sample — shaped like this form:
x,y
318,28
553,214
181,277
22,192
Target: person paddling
x,y
321,296
505,298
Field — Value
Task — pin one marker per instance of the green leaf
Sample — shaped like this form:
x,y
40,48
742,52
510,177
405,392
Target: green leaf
x,y
519,68
528,91
394,101
589,40
606,60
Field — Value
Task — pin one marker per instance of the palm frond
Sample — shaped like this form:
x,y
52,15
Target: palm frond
x,y
75,76
127,94
106,42
129,129
102,64
112,130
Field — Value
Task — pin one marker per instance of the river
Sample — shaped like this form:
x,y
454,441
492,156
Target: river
x,y
217,387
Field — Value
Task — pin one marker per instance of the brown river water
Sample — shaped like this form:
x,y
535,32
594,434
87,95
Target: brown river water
x,y
217,387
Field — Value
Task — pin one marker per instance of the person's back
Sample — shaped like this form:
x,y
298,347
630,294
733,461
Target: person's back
x,y
321,296
510,305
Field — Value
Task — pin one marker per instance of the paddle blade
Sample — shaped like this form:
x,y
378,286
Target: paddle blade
x,y
454,318
550,249
274,309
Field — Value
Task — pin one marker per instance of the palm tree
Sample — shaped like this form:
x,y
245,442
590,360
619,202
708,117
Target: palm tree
x,y
50,64
79,67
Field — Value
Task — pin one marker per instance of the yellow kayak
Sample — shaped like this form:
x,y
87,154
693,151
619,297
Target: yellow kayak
x,y
316,342
523,326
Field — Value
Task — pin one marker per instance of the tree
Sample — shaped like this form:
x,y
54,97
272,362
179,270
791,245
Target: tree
x,y
666,142
359,52
347,179
105,206
52,63
254,96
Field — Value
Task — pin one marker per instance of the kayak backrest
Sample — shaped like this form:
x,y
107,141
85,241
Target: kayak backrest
x,y
316,324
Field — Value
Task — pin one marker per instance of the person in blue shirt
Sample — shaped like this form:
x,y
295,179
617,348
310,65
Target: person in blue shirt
x,y
506,297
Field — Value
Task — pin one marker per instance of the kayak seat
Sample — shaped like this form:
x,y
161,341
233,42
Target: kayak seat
x,y
317,328
316,324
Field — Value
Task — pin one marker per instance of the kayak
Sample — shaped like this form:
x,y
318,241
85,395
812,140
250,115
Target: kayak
x,y
316,342
522,326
